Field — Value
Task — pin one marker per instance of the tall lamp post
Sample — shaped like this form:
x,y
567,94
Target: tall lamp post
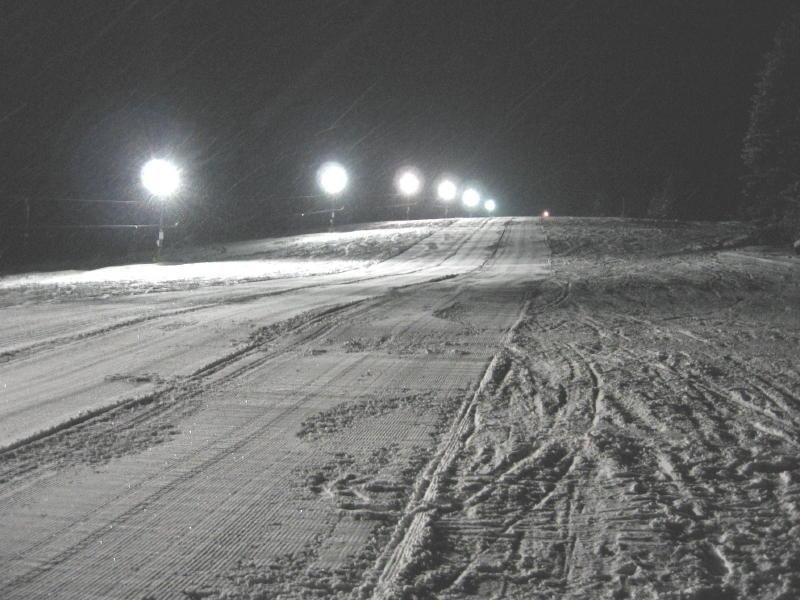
x,y
409,183
447,191
162,179
471,198
332,179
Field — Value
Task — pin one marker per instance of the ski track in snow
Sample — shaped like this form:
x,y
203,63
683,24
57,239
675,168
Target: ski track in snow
x,y
471,418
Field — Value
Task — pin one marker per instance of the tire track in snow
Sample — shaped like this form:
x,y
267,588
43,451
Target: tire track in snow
x,y
399,553
239,353
179,472
31,349
51,343
315,323
145,501
294,324
471,234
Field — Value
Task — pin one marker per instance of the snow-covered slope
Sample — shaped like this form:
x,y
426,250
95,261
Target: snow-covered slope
x,y
294,256
595,408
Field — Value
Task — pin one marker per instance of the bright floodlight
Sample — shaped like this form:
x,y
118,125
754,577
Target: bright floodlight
x,y
446,190
332,178
490,205
471,198
160,177
546,214
409,183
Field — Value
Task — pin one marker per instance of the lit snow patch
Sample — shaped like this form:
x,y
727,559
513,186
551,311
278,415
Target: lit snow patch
x,y
234,270
295,256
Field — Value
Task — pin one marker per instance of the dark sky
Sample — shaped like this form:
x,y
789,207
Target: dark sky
x,y
544,103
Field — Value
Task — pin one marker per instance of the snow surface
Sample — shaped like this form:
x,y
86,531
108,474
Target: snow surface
x,y
295,256
596,408
236,270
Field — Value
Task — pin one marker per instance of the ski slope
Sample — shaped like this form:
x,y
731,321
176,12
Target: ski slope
x,y
485,408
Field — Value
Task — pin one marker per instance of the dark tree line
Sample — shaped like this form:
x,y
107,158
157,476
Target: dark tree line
x,y
771,151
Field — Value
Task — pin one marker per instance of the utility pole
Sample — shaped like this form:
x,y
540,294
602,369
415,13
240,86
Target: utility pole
x,y
160,239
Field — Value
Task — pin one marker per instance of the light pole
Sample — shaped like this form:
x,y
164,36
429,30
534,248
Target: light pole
x,y
447,191
332,179
162,179
409,183
471,198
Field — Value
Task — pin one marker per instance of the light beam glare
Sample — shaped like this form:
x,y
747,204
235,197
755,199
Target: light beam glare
x,y
332,178
409,183
160,177
471,198
446,190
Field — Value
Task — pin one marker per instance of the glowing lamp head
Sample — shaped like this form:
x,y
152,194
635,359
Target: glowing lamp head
x,y
160,177
490,205
446,190
332,178
471,198
409,183
546,214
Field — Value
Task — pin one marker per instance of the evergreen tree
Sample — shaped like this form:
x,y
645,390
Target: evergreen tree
x,y
771,151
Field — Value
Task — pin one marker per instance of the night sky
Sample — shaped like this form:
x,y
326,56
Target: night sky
x,y
567,105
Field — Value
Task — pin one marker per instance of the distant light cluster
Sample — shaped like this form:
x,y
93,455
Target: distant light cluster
x,y
161,178
332,179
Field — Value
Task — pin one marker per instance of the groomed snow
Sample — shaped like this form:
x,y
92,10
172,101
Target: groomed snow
x,y
294,256
236,270
588,408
